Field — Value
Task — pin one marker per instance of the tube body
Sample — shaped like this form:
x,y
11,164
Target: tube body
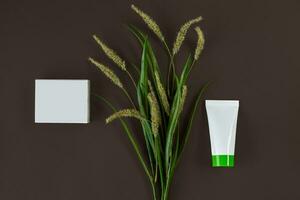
x,y
222,121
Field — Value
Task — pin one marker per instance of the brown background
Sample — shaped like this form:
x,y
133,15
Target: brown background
x,y
252,54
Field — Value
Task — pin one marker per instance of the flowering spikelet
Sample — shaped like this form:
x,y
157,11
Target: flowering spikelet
x,y
200,43
150,22
155,113
124,113
150,86
182,32
111,54
107,72
162,94
183,97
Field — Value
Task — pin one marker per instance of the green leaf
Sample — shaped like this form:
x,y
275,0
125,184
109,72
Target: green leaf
x,y
142,92
144,69
141,38
186,69
175,161
191,119
137,33
173,120
131,138
152,61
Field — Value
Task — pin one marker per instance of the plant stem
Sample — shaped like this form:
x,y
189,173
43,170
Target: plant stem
x,y
171,67
153,190
135,68
131,78
171,57
129,98
192,65
169,178
131,139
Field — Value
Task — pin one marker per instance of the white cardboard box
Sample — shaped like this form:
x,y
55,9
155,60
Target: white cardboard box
x,y
62,101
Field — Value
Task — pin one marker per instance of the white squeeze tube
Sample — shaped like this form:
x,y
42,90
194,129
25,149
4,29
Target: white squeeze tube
x,y
222,121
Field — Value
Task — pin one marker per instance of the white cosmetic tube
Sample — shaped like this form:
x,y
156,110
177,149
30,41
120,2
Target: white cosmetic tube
x,y
222,121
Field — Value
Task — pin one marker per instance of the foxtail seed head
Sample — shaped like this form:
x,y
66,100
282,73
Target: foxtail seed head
x,y
162,94
150,87
182,33
124,113
183,96
155,113
200,43
107,72
150,22
111,54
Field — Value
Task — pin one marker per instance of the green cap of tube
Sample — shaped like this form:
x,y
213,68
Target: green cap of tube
x,y
223,161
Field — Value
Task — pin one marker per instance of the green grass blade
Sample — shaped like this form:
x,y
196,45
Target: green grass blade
x,y
141,37
131,138
152,61
191,119
142,92
186,69
175,161
173,120
144,69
